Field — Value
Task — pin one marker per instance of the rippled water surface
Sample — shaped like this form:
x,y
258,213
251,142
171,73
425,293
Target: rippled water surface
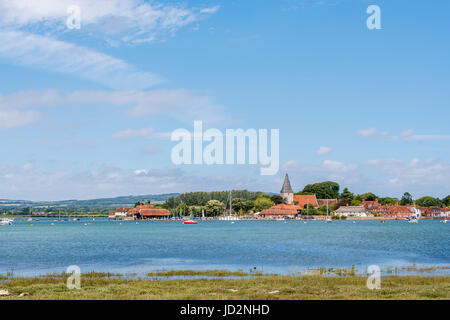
x,y
37,247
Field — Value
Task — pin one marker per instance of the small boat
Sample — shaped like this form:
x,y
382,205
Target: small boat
x,y
190,222
6,221
328,219
382,221
76,219
444,221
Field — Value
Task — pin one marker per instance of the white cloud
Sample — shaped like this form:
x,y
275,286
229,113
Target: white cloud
x,y
133,133
323,151
17,182
43,53
14,118
115,21
417,174
371,132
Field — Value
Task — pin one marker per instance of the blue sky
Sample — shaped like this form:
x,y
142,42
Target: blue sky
x,y
87,113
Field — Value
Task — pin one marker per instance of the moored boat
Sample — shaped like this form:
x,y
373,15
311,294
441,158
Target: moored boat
x,y
189,222
6,221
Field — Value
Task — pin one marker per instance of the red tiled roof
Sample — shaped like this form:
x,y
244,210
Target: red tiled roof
x,y
304,199
371,205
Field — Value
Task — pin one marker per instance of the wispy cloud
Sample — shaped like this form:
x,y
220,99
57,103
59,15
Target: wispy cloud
x,y
116,21
181,105
14,118
408,134
44,53
133,133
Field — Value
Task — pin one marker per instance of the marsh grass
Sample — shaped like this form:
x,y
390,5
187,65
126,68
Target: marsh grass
x,y
264,287
207,273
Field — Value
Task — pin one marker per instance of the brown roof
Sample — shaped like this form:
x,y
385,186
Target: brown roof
x,y
323,202
304,199
154,212
145,206
280,210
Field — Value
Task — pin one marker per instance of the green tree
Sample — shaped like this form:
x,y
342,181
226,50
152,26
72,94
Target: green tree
x,y
323,190
369,196
428,202
238,204
248,205
214,208
387,200
263,203
446,201
183,209
346,194
406,199
277,199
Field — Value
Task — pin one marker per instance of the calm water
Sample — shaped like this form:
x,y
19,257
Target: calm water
x,y
272,246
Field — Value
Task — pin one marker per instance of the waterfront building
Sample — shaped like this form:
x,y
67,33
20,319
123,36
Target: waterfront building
x,y
140,212
280,211
353,211
371,205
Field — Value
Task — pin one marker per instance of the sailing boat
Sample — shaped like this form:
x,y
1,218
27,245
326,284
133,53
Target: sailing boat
x,y
328,218
414,218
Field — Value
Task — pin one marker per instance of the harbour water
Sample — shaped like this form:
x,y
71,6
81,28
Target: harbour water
x,y
284,247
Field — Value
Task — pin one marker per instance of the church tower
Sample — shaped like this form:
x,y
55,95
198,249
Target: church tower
x,y
286,191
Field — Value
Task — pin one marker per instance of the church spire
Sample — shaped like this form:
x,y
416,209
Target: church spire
x,y
286,185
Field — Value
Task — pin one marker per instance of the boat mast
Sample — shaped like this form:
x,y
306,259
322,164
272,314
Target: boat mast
x,y
230,202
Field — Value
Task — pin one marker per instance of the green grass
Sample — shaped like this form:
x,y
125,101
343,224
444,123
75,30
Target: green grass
x,y
108,286
208,273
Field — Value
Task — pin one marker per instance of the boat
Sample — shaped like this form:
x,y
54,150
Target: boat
x,y
6,221
414,218
444,221
189,222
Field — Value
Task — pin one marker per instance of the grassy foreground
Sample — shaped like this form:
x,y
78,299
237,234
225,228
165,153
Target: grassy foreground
x,y
107,286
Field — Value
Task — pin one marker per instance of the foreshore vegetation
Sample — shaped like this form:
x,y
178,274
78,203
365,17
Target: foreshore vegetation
x,y
219,284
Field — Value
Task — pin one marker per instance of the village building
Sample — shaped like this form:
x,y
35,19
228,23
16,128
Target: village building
x,y
280,211
436,212
353,211
140,212
293,204
371,205
395,211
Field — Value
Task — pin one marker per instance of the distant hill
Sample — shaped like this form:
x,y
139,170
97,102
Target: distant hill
x,y
124,201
